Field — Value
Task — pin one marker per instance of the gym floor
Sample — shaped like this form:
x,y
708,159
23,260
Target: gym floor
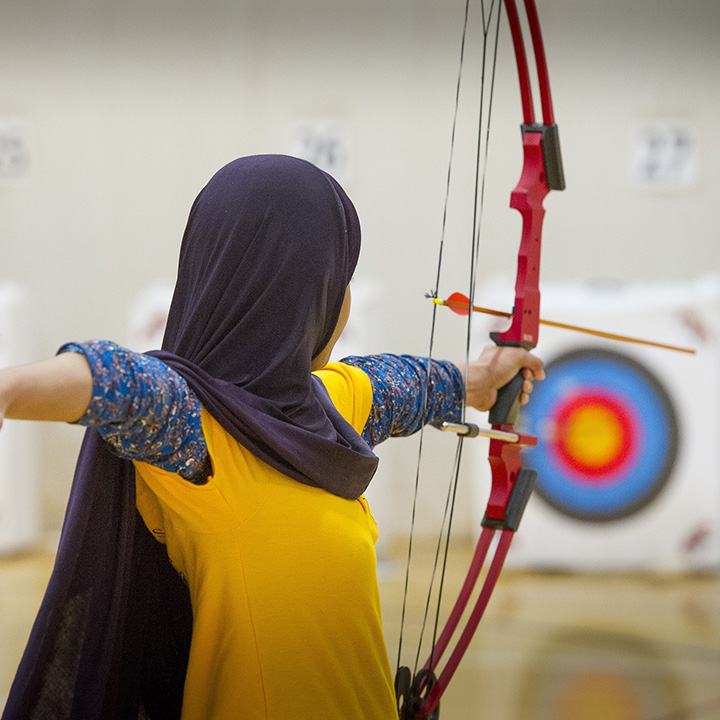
x,y
552,646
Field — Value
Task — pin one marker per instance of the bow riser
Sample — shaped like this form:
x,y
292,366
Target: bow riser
x,y
527,198
506,466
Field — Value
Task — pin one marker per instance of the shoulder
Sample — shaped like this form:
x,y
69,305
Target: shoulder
x,y
350,391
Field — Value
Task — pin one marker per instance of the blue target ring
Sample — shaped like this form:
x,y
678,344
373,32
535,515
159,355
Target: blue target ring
x,y
607,435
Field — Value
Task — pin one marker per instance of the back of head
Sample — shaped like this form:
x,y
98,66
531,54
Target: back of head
x,y
270,246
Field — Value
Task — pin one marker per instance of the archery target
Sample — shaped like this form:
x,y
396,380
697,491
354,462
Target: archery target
x,y
627,458
608,435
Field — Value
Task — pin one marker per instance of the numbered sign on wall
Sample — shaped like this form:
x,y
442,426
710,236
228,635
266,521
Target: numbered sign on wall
x,y
664,156
325,142
14,148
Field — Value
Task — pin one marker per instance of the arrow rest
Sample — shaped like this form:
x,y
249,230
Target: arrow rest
x,y
411,694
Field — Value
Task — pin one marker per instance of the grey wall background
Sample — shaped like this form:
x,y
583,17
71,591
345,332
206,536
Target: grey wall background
x,y
131,106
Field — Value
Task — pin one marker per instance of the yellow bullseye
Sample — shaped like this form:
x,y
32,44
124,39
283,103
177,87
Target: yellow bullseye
x,y
593,436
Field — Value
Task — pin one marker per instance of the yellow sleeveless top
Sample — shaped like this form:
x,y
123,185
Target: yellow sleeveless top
x,y
282,579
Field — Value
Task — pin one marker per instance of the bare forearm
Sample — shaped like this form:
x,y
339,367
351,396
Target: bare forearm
x,y
57,389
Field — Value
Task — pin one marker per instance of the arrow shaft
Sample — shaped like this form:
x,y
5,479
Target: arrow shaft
x,y
565,326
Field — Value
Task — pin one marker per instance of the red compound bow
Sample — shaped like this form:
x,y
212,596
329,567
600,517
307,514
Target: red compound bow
x,y
418,696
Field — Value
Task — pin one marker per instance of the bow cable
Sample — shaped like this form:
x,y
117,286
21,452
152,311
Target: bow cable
x,y
432,338
479,203
481,162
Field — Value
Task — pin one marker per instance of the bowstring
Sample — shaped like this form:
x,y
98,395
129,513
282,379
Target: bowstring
x,y
479,197
432,333
480,184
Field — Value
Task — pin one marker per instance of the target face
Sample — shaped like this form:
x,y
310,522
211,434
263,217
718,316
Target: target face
x,y
607,435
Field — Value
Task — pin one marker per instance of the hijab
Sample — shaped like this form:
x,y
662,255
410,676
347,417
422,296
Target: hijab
x,y
270,246
269,250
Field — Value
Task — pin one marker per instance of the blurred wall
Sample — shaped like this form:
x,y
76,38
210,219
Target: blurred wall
x,y
131,106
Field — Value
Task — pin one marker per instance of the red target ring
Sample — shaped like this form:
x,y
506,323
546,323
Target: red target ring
x,y
595,435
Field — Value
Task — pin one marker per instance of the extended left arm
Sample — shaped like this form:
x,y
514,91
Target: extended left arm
x,y
401,384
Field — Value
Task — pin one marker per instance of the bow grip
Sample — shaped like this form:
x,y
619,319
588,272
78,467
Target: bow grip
x,y
507,405
506,409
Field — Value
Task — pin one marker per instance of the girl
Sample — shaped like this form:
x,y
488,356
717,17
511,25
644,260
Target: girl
x,y
238,454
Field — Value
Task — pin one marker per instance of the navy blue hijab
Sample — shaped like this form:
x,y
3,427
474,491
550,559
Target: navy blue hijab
x,y
269,249
270,246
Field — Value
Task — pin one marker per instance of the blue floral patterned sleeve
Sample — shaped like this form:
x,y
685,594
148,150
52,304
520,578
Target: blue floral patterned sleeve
x,y
144,409
147,412
399,384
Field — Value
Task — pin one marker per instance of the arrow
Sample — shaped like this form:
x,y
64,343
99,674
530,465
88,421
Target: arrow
x,y
459,304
